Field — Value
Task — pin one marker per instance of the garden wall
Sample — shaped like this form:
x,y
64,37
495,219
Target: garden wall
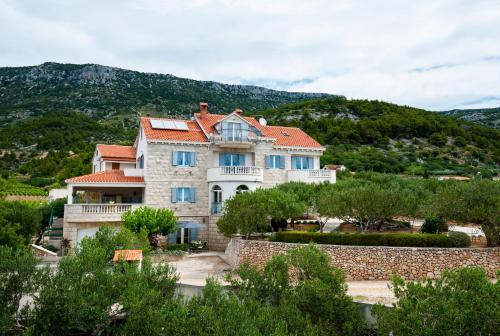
x,y
375,262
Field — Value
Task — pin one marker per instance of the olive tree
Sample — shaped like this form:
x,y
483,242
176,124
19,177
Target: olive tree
x,y
477,202
150,220
251,212
461,302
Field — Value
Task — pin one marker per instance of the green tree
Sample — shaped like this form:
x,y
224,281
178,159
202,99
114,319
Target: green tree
x,y
319,293
152,221
19,221
251,212
18,276
462,302
476,202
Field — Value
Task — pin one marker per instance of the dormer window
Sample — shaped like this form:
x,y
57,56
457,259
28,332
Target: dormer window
x,y
232,131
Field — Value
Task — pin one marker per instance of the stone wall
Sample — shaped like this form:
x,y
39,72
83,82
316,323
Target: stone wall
x,y
376,262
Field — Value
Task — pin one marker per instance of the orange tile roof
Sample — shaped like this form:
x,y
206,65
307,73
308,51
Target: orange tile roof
x,y
117,153
285,136
127,255
289,136
109,176
194,134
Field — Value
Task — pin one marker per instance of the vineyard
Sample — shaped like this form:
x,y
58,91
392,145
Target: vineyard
x,y
14,187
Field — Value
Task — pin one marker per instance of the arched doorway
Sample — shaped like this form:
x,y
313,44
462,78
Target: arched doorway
x,y
216,199
241,189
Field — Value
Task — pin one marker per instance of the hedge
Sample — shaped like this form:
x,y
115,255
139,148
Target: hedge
x,y
367,239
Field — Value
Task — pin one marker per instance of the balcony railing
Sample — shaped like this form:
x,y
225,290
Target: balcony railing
x,y
312,175
97,212
240,170
105,208
235,173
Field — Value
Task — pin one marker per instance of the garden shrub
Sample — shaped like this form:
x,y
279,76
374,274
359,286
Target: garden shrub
x,y
461,302
433,224
175,247
367,239
459,239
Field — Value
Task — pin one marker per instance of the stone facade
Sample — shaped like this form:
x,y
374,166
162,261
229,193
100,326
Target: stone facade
x,y
375,262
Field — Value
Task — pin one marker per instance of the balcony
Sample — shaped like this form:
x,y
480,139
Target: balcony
x,y
235,139
235,173
311,175
97,212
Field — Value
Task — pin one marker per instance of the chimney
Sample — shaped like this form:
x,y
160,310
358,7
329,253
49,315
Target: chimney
x,y
203,110
238,111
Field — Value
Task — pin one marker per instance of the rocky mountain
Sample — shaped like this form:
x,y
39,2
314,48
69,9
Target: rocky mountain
x,y
488,116
103,92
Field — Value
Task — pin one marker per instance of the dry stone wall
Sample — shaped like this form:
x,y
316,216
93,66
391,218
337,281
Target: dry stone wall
x,y
375,262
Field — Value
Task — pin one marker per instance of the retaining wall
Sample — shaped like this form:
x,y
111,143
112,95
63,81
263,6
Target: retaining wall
x,y
375,262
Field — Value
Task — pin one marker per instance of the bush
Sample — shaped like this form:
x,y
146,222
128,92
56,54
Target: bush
x,y
175,247
433,224
461,302
366,239
459,239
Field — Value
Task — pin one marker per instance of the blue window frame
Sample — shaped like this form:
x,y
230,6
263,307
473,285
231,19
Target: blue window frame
x,y
231,159
275,162
140,163
183,159
302,162
183,195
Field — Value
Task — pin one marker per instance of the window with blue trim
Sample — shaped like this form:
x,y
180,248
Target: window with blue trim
x,y
183,195
275,162
183,159
302,162
231,159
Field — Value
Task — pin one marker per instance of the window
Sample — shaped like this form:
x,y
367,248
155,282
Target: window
x,y
140,161
183,159
241,189
183,195
302,162
216,200
275,162
115,166
231,159
231,131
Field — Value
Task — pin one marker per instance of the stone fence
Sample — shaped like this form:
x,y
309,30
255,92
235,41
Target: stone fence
x,y
375,262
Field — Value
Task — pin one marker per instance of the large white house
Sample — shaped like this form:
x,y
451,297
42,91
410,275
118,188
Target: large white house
x,y
191,167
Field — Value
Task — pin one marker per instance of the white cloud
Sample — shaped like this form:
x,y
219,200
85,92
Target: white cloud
x,y
431,54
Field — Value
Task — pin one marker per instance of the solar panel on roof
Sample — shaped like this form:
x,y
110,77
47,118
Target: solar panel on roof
x,y
181,125
169,125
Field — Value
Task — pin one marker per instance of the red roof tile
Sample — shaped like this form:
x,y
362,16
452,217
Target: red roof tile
x,y
285,136
109,176
127,255
290,136
194,134
117,153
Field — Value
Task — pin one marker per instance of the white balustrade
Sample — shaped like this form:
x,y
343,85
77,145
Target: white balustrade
x,y
312,175
105,208
240,170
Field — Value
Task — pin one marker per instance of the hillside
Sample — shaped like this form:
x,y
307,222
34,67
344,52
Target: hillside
x,y
487,117
103,92
383,137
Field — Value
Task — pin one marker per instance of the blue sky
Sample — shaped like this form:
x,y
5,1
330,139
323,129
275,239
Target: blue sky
x,y
438,54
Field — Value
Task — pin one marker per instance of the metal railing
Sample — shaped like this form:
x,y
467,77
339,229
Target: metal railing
x,y
240,170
